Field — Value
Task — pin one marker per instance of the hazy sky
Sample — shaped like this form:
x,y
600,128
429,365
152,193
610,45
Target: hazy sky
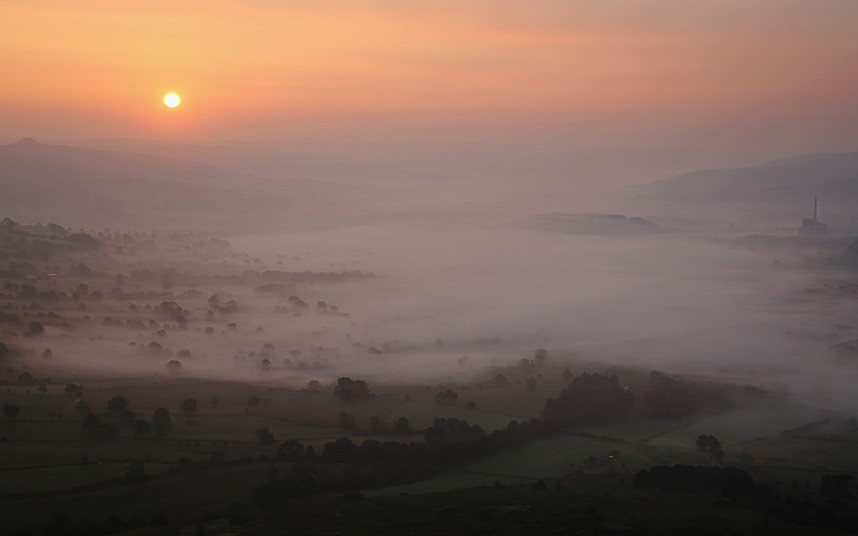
x,y
729,73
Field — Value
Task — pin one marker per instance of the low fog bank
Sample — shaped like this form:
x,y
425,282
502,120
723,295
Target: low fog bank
x,y
493,292
476,270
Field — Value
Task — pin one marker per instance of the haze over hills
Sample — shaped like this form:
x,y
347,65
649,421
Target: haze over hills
x,y
87,186
177,186
782,190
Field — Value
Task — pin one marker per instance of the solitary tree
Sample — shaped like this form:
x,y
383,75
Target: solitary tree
x,y
117,404
34,329
264,436
189,405
447,397
402,426
161,421
11,410
710,444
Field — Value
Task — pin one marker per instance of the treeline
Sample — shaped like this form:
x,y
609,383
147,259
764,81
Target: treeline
x,y
597,398
831,505
345,466
731,482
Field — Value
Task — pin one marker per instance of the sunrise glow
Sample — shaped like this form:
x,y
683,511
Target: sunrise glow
x,y
171,100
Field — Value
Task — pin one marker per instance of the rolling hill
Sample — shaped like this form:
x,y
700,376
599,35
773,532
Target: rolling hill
x,y
96,187
781,190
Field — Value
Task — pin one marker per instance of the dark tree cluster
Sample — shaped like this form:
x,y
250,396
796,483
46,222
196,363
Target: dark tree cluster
x,y
93,425
345,466
710,444
830,507
447,396
590,399
264,436
666,397
731,481
10,411
349,390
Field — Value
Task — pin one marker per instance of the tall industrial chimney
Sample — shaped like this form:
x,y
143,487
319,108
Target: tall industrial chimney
x,y
815,200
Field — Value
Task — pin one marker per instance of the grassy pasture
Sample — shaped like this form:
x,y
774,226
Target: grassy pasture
x,y
740,424
49,479
822,448
181,497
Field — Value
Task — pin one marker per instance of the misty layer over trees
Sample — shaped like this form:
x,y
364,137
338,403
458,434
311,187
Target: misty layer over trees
x,y
183,326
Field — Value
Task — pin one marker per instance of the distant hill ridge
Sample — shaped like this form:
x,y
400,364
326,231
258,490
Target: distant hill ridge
x,y
101,187
824,174
778,193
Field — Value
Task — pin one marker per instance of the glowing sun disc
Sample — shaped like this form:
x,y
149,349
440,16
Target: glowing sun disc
x,y
171,100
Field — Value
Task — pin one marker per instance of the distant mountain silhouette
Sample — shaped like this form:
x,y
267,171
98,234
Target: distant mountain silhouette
x,y
96,187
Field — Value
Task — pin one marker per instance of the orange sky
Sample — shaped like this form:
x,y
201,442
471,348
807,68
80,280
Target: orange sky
x,y
250,69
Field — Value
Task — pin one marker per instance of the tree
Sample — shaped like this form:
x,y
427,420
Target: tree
x,y
73,389
34,329
264,436
188,406
451,431
590,399
314,386
349,390
710,444
161,421
290,450
11,411
447,397
117,404
500,380
402,426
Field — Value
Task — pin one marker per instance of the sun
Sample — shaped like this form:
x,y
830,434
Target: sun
x,y
171,100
